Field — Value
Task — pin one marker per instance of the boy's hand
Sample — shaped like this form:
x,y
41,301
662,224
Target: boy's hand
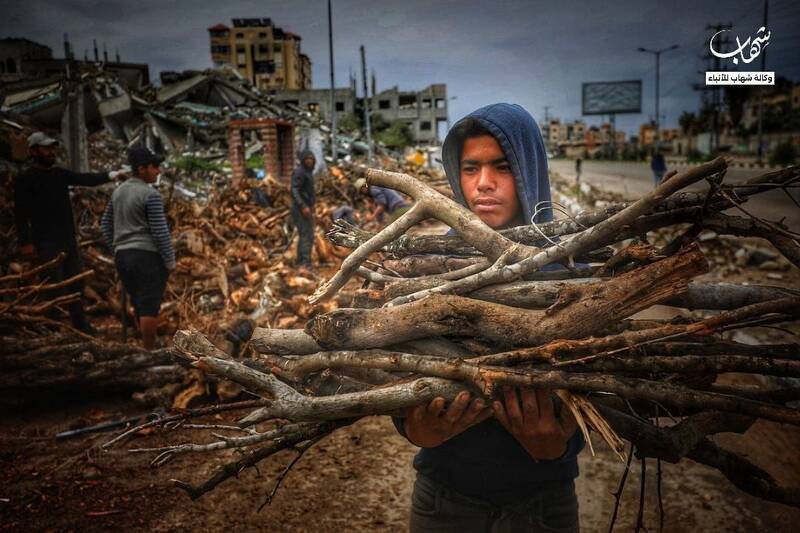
x,y
306,212
533,422
430,425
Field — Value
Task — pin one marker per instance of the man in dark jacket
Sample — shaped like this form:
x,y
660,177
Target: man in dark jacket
x,y
511,465
658,166
303,199
44,219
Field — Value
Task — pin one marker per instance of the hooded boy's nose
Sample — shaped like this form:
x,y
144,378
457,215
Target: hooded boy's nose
x,y
487,179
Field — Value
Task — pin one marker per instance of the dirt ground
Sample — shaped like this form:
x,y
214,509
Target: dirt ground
x,y
359,479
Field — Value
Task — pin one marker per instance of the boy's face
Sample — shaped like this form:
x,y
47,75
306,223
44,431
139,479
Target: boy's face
x,y
488,183
149,173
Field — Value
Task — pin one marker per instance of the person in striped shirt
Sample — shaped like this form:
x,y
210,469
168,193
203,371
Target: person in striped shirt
x,y
135,227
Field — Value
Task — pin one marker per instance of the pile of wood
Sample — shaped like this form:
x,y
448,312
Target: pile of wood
x,y
479,310
234,261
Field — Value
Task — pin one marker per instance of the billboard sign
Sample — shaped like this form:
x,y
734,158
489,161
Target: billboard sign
x,y
612,97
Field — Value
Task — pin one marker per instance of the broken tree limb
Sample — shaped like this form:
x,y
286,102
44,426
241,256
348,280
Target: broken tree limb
x,y
578,243
428,202
227,471
49,286
347,235
34,271
350,265
580,311
283,341
297,407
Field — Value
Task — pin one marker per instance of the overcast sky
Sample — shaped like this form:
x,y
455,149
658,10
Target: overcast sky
x,y
535,53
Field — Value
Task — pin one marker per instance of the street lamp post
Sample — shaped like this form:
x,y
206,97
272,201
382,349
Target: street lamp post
x,y
658,53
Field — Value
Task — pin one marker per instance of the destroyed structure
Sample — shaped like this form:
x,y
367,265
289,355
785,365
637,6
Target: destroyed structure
x,y
262,53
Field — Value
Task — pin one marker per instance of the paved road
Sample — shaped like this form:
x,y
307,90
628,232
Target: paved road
x,y
635,179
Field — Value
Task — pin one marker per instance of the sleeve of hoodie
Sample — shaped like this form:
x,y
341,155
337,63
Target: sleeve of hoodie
x,y
298,177
107,225
159,229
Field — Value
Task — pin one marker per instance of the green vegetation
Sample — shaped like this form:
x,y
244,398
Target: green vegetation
x,y
256,161
190,163
349,122
395,135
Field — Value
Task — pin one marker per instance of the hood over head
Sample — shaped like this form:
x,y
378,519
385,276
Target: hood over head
x,y
521,140
307,153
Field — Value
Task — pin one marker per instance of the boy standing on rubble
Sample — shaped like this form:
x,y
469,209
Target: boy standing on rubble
x,y
510,465
44,219
135,227
303,199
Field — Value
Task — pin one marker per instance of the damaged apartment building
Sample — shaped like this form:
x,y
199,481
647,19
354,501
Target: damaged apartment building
x,y
424,112
270,58
216,114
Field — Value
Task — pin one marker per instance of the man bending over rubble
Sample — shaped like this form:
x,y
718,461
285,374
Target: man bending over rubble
x,y
384,199
511,465
135,227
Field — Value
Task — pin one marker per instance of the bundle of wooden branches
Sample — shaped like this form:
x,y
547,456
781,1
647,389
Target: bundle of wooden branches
x,y
25,301
478,310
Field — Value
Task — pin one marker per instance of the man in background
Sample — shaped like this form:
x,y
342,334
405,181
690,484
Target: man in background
x,y
135,227
303,200
45,222
386,201
658,166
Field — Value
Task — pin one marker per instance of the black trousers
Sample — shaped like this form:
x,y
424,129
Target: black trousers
x,y
72,265
436,509
305,227
144,276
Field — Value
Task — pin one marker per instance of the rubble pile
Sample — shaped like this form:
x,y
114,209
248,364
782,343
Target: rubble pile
x,y
235,247
487,315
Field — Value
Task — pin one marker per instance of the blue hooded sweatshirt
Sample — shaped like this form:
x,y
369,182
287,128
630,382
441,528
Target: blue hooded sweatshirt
x,y
521,140
486,461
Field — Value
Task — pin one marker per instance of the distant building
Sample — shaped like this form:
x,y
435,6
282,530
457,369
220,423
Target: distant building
x,y
16,52
777,99
319,100
647,134
422,111
261,52
575,139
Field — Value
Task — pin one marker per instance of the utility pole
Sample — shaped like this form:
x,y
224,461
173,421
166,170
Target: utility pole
x,y
716,95
73,121
96,54
333,84
760,149
367,107
658,53
546,114
713,90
